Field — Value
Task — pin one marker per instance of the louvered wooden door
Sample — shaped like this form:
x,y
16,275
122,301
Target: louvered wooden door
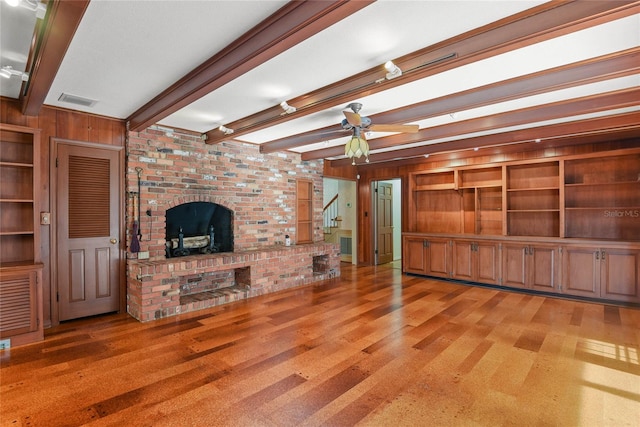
x,y
21,304
87,231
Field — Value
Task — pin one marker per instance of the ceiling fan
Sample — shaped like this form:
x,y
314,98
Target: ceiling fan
x,y
357,145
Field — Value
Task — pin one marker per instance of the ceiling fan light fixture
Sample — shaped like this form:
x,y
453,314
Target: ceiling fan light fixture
x,y
288,109
356,147
225,130
393,70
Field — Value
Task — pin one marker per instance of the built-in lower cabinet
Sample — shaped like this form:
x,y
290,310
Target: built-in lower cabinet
x,y
530,266
475,261
21,304
428,256
600,271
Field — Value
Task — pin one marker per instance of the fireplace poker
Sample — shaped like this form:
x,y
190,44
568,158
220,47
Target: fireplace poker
x,y
135,242
139,172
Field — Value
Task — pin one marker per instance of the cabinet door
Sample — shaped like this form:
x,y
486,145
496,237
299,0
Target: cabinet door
x,y
21,306
581,271
620,274
475,261
437,259
543,267
462,254
487,262
514,265
414,255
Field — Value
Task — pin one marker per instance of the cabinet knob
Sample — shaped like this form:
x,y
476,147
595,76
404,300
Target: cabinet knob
x,y
114,241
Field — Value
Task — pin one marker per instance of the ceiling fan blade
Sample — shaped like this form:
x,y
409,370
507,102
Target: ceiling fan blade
x,y
353,118
395,128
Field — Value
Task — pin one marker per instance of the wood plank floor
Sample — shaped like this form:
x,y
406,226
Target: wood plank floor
x,y
373,348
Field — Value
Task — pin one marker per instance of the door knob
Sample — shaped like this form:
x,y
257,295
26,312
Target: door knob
x,y
114,241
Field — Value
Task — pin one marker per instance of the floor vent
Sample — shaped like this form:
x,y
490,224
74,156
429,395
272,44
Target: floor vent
x,y
345,245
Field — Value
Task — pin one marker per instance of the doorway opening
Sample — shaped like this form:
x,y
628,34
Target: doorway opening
x,y
387,225
339,216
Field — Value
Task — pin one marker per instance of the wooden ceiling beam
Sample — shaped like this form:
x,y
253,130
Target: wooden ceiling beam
x,y
50,43
290,25
606,67
541,23
540,113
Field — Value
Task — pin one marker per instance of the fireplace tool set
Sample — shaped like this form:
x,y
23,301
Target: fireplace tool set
x,y
136,234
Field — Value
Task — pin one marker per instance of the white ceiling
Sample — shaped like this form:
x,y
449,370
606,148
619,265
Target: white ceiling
x,y
124,53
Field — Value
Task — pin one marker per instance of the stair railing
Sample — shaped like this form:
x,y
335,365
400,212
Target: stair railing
x,y
330,214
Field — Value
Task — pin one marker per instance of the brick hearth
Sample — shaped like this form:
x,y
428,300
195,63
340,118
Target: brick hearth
x,y
158,289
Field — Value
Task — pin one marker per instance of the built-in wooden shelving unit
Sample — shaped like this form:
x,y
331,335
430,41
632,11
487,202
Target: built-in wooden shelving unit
x,y
540,224
20,268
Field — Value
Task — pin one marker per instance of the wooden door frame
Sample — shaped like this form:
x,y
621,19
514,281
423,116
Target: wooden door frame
x,y
53,229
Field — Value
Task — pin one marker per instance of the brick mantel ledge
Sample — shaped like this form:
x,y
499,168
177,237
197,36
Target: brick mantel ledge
x,y
153,286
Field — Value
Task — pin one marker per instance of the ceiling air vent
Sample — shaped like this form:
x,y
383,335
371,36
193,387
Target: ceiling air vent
x,y
78,100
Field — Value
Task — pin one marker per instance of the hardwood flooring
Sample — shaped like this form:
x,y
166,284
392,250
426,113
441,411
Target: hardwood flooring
x,y
373,348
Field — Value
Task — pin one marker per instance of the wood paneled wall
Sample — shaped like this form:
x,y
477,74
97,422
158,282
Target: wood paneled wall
x,y
67,125
77,126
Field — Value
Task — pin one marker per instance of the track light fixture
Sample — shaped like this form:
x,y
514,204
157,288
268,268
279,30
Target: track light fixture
x,y
7,71
225,130
393,70
34,5
288,109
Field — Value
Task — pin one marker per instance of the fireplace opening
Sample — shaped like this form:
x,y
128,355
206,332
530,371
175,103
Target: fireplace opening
x,y
198,228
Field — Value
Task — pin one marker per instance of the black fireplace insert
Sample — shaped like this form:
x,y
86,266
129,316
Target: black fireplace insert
x,y
198,228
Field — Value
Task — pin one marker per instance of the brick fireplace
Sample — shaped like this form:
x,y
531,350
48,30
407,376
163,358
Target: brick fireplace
x,y
259,191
